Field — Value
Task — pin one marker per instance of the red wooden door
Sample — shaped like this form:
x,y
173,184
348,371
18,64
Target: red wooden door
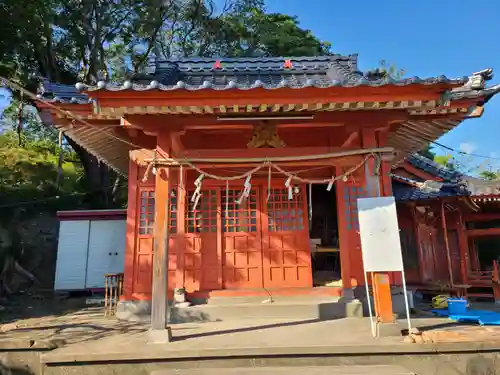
x,y
427,248
286,247
241,240
455,256
144,248
201,262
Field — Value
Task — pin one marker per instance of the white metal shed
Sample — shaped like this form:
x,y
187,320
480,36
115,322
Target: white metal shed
x,y
91,244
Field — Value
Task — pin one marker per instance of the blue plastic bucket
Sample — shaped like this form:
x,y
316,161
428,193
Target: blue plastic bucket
x,y
457,306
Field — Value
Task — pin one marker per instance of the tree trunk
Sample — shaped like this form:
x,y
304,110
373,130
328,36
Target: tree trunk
x,y
98,177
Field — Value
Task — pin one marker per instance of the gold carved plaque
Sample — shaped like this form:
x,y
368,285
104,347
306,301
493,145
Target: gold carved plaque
x,y
265,135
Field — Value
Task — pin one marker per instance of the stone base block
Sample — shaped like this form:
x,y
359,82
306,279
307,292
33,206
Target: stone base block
x,y
354,309
160,336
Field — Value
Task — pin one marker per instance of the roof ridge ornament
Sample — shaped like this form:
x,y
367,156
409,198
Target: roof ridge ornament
x,y
288,64
217,65
477,81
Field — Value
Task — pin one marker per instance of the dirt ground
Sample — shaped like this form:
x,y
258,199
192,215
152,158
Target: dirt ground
x,y
44,317
67,320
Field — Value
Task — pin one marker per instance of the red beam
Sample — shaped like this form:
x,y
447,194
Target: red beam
x,y
483,232
482,216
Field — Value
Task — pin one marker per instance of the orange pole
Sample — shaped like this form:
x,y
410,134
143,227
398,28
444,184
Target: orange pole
x,y
382,297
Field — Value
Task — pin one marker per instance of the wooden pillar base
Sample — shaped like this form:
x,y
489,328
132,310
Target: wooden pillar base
x,y
382,297
160,336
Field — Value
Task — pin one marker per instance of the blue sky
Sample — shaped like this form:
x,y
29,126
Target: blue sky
x,y
425,38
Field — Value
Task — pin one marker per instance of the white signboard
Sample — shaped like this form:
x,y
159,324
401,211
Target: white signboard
x,y
379,232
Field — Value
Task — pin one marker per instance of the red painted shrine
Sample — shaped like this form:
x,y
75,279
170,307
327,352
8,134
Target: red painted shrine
x,y
257,164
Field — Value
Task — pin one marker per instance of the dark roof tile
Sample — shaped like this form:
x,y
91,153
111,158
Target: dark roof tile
x,y
60,93
433,168
265,72
403,191
478,187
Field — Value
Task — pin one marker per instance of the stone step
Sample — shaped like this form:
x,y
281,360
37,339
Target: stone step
x,y
224,301
326,310
316,370
297,308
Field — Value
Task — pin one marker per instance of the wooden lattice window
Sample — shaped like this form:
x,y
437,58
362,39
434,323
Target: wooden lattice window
x,y
351,195
239,217
203,217
172,222
147,212
285,214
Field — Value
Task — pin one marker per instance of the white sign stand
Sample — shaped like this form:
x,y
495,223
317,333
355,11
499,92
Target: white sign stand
x,y
380,244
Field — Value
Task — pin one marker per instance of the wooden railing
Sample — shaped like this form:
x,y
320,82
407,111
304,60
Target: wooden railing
x,y
485,279
481,278
113,283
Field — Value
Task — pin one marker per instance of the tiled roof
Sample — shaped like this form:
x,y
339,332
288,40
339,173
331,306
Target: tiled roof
x,y
406,192
475,186
59,93
478,186
433,168
261,72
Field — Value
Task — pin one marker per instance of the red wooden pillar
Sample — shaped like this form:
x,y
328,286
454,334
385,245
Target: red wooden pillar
x,y
474,255
131,231
180,243
159,331
463,247
344,243
447,244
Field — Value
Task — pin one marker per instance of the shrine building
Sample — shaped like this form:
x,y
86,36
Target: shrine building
x,y
244,172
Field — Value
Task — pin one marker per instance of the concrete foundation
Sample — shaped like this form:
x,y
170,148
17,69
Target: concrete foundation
x,y
157,336
310,370
414,359
245,308
354,309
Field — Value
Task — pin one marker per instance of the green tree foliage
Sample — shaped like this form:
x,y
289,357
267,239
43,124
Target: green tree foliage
x,y
391,70
67,41
71,40
427,152
29,163
489,175
446,161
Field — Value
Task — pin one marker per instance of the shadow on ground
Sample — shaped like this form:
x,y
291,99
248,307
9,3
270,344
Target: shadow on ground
x,y
8,370
246,329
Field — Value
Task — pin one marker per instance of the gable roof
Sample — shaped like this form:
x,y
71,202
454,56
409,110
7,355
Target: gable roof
x,y
455,183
